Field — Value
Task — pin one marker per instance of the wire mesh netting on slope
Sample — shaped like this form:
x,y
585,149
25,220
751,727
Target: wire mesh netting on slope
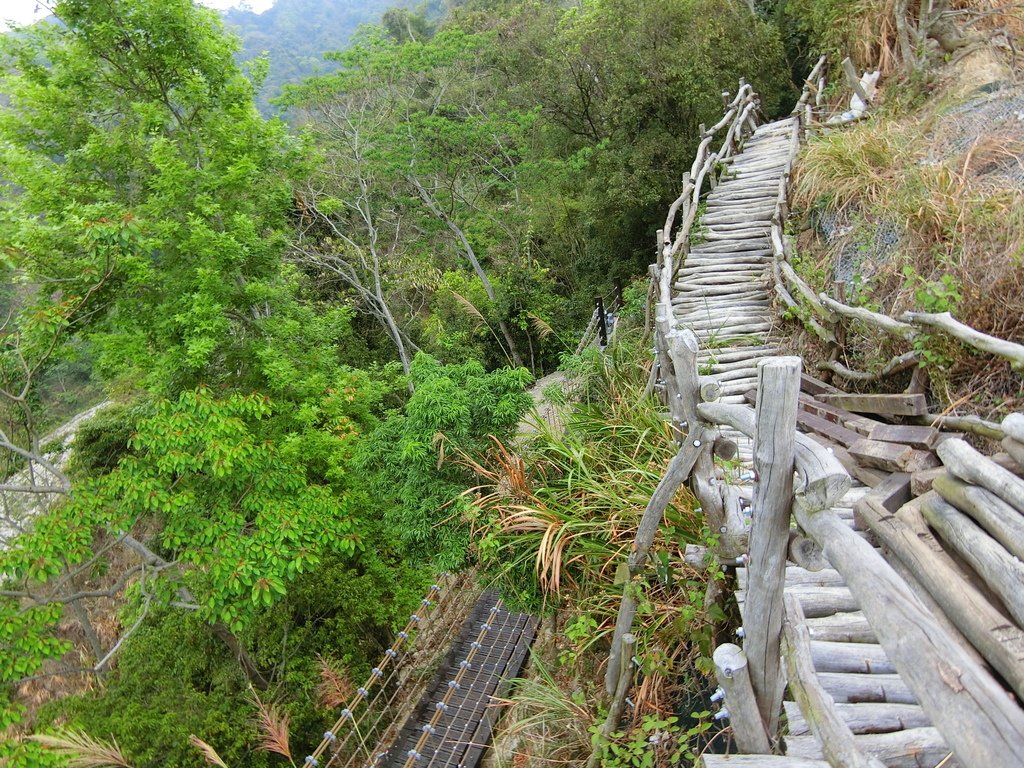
x,y
981,138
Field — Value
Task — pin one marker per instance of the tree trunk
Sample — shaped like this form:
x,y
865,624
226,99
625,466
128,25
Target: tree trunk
x,y
230,639
467,249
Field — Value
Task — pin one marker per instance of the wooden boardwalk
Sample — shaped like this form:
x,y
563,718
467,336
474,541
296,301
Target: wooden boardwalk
x,y
723,292
453,723
848,703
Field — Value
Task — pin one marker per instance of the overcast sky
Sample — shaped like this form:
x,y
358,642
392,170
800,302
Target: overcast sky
x,y
26,11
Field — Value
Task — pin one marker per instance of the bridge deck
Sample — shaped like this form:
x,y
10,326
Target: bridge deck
x,y
459,720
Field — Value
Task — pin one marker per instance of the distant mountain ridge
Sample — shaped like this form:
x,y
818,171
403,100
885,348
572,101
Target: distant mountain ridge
x,y
296,33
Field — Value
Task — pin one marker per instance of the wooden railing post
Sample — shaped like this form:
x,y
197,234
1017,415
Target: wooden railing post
x,y
734,680
778,390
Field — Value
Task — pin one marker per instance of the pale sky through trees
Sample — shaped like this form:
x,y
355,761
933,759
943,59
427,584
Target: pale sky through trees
x,y
27,11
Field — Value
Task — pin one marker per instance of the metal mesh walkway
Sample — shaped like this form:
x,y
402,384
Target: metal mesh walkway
x,y
452,724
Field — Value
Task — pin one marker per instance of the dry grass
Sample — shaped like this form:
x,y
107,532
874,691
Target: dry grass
x,y
335,689
962,216
83,751
272,727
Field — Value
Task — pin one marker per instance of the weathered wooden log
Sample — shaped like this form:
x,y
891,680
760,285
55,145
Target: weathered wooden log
x,y
875,319
824,601
733,540
972,338
966,463
675,475
618,702
821,478
998,568
983,727
1013,426
864,718
874,688
972,424
911,748
895,365
858,658
986,627
734,679
999,519
1015,449
797,576
759,761
818,708
805,553
774,456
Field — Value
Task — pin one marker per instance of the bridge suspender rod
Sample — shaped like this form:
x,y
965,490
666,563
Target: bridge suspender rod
x,y
376,674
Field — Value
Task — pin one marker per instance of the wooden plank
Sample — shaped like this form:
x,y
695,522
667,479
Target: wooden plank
x,y
892,457
856,422
924,438
889,405
834,432
813,386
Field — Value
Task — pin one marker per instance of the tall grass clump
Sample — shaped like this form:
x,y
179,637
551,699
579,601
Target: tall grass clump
x,y
960,215
555,519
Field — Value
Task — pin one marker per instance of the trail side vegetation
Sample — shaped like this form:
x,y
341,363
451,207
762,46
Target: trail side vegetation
x,y
312,337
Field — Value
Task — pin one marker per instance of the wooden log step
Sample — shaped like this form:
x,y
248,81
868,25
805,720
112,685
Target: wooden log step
x,y
756,276
696,275
864,718
759,761
889,405
818,602
726,218
719,369
800,577
702,323
721,265
732,355
727,208
745,236
912,748
735,252
857,658
855,689
711,290
857,423
849,627
747,372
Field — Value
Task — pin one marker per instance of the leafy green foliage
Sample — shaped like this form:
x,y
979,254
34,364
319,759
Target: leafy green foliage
x,y
415,456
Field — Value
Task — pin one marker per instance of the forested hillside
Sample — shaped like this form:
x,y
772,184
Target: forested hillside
x,y
295,34
316,336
